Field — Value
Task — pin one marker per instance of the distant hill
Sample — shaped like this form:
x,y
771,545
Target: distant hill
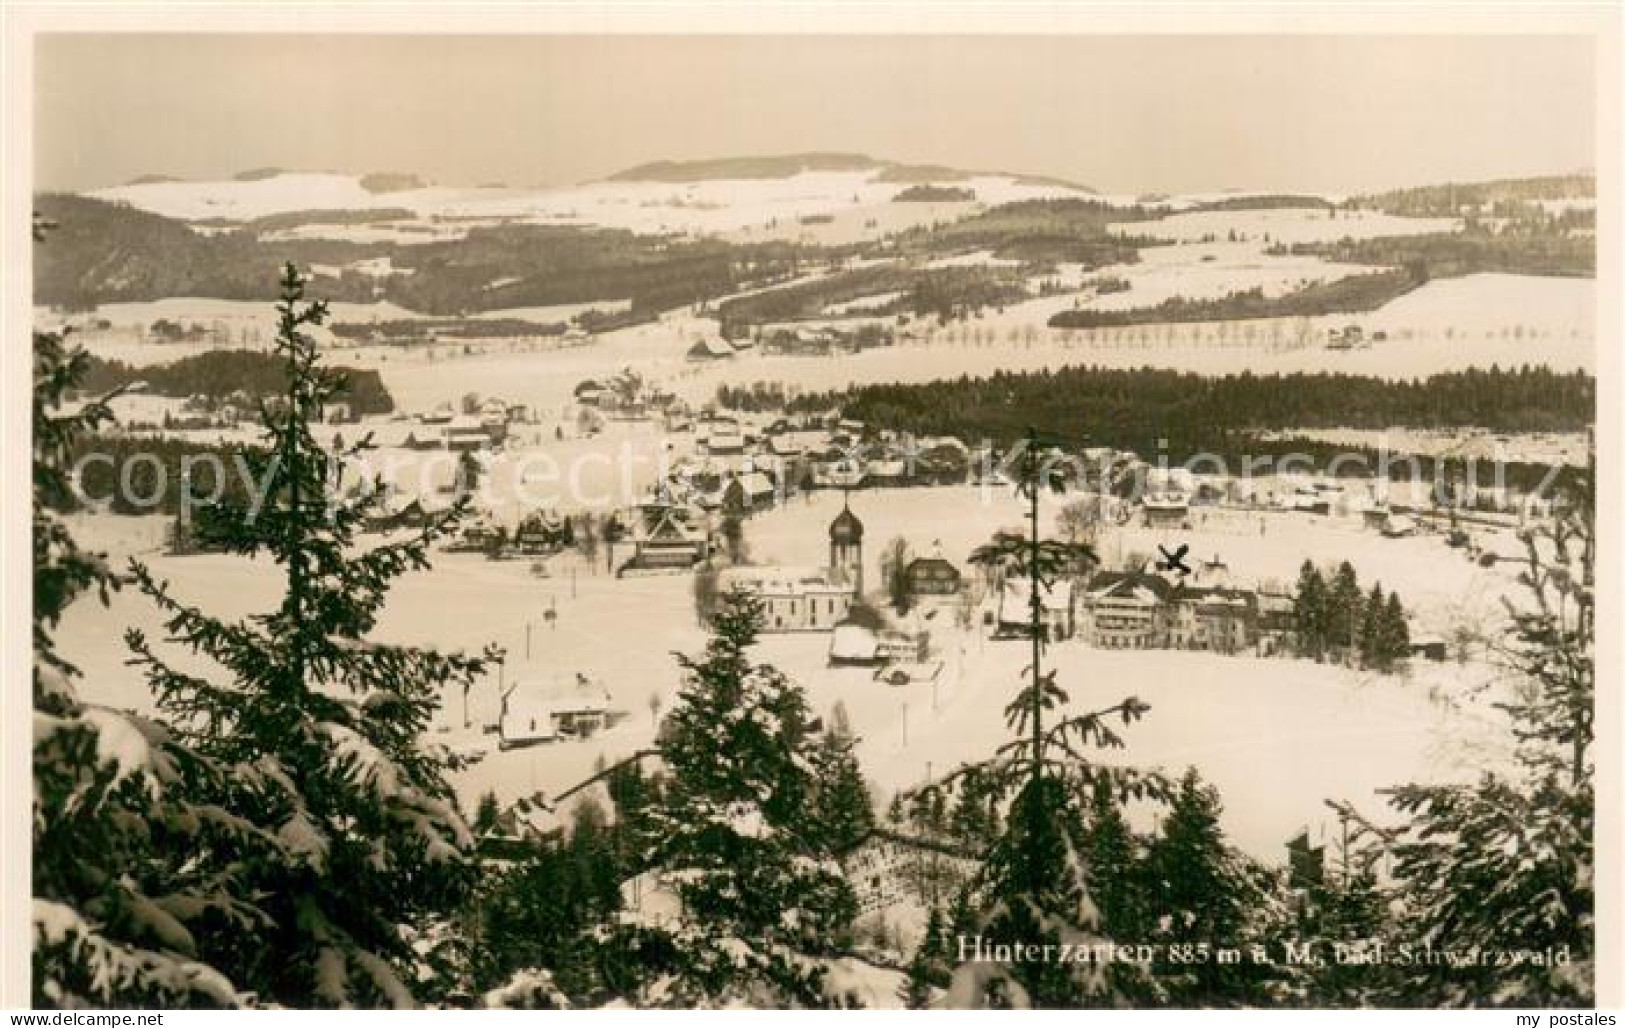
x,y
782,166
258,174
152,180
1447,199
390,182
786,165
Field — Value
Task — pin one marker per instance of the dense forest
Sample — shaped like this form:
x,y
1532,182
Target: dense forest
x,y
419,330
107,253
1134,408
939,291
1070,229
218,374
1448,255
1447,199
926,192
1348,295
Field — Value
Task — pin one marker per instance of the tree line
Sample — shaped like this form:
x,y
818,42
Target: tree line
x,y
217,375
1334,617
1133,408
1350,294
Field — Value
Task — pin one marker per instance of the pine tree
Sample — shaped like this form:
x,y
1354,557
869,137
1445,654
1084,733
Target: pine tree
x,y
1201,896
318,730
764,902
928,971
1113,858
1343,612
1396,635
1309,611
841,808
1374,647
1034,884
1345,920
112,822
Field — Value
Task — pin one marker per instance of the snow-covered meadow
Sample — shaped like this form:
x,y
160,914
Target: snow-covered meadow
x,y
1277,736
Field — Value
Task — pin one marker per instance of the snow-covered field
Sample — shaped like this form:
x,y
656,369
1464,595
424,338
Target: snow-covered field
x,y
1198,271
754,209
1277,736
1284,225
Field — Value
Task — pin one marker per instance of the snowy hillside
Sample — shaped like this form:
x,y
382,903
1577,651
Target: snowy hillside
x,y
709,206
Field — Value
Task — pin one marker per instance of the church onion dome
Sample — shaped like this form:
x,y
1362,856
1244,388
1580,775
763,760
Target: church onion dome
x,y
846,528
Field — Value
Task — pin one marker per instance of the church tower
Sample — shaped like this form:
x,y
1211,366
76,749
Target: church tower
x,y
846,547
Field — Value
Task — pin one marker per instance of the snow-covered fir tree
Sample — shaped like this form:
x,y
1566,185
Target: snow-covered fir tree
x,y
112,824
1202,897
840,807
1034,884
761,902
358,845
928,971
1508,862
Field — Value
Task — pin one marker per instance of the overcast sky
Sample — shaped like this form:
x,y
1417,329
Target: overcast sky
x,y
1123,114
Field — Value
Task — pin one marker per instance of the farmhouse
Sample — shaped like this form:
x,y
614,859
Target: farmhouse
x,y
1166,510
747,493
854,646
588,393
711,349
532,714
932,576
1276,627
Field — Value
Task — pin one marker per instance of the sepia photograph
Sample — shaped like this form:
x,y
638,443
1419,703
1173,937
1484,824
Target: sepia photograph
x,y
1030,517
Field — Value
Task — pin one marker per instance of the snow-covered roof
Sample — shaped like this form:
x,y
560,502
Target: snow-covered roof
x,y
1057,596
711,347
853,642
782,581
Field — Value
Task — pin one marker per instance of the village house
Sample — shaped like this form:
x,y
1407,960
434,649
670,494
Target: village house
x,y
1014,616
932,576
534,714
664,537
466,433
853,645
840,473
746,493
713,348
1208,611
588,393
